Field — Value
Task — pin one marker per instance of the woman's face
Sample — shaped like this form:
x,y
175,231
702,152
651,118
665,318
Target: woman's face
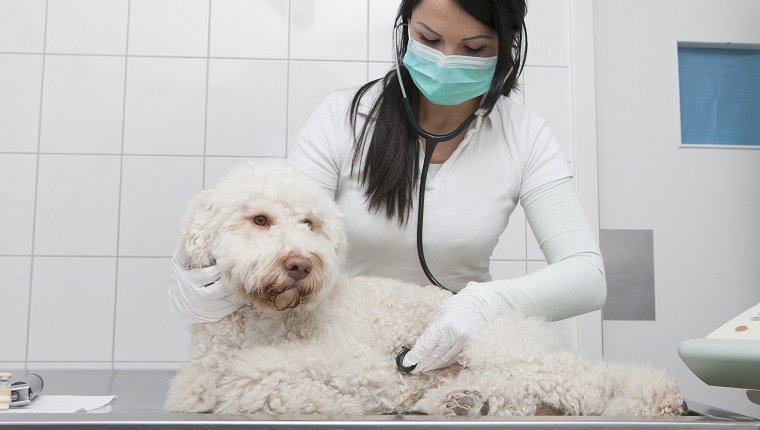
x,y
446,27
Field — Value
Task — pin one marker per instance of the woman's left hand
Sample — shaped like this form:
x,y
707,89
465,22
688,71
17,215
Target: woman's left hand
x,y
458,318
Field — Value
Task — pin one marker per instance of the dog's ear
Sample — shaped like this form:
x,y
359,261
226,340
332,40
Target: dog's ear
x,y
334,229
196,232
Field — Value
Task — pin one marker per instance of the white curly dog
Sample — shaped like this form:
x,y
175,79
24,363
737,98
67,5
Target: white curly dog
x,y
312,342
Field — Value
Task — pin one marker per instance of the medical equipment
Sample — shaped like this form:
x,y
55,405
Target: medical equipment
x,y
25,390
431,140
730,355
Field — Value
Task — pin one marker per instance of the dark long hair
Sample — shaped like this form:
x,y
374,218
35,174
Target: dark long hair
x,y
391,166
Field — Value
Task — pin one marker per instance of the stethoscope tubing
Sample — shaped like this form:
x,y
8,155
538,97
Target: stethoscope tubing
x,y
431,141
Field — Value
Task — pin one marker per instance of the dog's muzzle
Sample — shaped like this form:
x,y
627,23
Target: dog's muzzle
x,y
294,283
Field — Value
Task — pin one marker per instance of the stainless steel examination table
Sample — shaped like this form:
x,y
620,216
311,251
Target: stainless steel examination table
x,y
141,395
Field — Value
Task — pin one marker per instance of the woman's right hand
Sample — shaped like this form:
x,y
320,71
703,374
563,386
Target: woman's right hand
x,y
199,295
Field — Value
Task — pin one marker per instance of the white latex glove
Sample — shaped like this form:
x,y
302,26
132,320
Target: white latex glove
x,y
198,295
458,318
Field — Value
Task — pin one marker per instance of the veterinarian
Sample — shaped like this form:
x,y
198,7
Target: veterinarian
x,y
458,59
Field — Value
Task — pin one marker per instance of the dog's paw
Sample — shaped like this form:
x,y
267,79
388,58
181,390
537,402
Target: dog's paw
x,y
193,389
466,403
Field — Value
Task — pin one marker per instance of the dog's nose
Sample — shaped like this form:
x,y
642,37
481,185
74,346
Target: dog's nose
x,y
297,267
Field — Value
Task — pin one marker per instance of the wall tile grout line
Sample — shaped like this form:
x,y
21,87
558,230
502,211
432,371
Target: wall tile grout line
x,y
36,189
366,78
135,155
121,188
287,81
205,102
319,60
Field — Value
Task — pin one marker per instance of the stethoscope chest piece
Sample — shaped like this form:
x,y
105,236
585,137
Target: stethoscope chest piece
x,y
400,361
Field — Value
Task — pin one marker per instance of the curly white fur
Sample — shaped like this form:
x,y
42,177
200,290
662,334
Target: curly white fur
x,y
319,343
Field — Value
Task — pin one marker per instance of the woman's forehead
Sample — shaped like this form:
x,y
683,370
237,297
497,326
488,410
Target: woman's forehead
x,y
447,18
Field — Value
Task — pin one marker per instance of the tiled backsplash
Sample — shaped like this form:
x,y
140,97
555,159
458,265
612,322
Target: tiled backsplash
x,y
113,113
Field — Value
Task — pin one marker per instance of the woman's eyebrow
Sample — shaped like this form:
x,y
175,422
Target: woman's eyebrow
x,y
428,28
479,36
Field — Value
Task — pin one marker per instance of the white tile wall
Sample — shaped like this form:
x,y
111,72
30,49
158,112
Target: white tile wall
x,y
548,24
87,26
165,106
77,205
22,25
141,310
145,102
154,196
82,104
168,27
328,29
72,309
16,273
247,115
17,181
309,81
382,15
249,28
20,84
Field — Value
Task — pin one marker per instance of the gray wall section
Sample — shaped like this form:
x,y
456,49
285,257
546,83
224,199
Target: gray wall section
x,y
629,264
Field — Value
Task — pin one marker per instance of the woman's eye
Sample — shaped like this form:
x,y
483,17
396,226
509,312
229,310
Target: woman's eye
x,y
473,50
308,224
426,40
260,220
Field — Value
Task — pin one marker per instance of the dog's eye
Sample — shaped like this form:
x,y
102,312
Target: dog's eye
x,y
308,224
260,220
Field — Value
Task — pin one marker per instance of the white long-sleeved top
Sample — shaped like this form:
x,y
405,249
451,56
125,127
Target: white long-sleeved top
x,y
506,157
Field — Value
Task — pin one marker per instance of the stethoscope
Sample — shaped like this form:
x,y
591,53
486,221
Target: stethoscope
x,y
431,140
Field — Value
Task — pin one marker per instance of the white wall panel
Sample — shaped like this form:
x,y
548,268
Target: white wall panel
x,y
72,309
77,206
382,14
145,328
20,84
16,272
247,108
165,106
328,29
22,25
87,26
378,70
249,28
168,27
82,109
154,196
548,24
216,167
17,181
311,81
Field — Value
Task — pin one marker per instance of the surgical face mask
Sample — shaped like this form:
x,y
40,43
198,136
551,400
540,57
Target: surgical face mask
x,y
448,79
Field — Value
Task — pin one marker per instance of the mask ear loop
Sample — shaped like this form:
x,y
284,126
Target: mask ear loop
x,y
396,60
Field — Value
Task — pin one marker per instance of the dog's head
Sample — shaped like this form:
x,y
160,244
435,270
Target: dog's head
x,y
275,234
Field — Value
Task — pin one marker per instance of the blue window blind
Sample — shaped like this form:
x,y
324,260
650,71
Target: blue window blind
x,y
720,96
